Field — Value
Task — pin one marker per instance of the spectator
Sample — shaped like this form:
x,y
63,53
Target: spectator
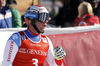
x,y
16,17
5,15
96,7
62,16
73,12
66,14
85,16
29,47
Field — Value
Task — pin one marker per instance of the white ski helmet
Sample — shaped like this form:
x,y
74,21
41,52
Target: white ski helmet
x,y
36,13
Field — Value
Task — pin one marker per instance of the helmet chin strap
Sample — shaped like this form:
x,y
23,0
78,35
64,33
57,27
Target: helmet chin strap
x,y
35,27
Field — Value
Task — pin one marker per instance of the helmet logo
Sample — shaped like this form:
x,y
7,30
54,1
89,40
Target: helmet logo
x,y
30,15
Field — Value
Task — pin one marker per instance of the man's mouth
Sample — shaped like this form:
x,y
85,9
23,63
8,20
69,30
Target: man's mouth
x,y
45,25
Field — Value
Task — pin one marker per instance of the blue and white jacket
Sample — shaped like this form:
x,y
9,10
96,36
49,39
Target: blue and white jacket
x,y
5,18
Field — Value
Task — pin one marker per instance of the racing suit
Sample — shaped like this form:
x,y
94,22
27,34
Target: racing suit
x,y
27,49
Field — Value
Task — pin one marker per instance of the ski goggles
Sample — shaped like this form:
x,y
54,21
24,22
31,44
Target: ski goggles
x,y
43,17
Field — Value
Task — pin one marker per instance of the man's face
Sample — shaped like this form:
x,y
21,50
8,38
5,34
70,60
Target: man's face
x,y
41,25
2,2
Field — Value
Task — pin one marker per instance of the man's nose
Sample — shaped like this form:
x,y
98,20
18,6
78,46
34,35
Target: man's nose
x,y
46,21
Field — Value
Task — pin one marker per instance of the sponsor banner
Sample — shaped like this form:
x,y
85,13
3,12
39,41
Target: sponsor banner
x,y
80,43
83,49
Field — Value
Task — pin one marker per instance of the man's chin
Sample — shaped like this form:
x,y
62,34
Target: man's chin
x,y
3,4
42,31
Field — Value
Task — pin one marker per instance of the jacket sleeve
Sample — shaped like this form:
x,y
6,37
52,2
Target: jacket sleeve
x,y
16,19
11,49
50,56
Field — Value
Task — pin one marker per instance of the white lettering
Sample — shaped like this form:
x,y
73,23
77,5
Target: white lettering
x,y
32,51
22,50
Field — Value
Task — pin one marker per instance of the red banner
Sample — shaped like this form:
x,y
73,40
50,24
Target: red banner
x,y
83,49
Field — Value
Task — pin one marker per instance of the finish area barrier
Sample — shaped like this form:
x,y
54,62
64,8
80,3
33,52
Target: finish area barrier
x,y
82,44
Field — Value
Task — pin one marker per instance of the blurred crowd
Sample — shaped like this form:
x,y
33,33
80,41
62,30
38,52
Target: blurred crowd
x,y
77,11
72,13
